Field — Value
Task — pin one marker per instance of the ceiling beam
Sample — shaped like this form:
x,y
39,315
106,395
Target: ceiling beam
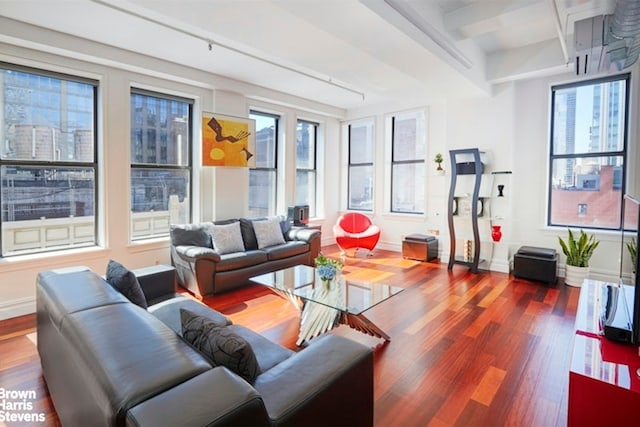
x,y
481,17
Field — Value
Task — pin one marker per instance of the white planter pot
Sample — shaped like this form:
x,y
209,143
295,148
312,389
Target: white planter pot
x,y
574,276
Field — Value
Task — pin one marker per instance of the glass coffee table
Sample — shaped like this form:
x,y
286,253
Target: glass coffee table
x,y
325,305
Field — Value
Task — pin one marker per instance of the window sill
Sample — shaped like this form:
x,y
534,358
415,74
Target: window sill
x,y
77,255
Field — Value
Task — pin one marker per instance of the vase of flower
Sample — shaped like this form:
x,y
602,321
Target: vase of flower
x,y
327,268
496,233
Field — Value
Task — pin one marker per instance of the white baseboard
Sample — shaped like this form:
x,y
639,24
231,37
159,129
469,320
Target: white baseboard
x,y
501,266
17,307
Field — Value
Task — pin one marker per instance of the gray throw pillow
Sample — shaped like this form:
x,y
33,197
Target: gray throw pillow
x,y
226,238
220,345
125,282
268,232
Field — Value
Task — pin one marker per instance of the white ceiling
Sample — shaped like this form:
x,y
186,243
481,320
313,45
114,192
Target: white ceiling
x,y
344,53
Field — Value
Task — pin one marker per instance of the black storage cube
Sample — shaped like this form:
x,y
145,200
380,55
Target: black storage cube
x,y
420,247
534,263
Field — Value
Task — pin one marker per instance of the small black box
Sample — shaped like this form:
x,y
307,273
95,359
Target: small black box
x,y
534,263
420,247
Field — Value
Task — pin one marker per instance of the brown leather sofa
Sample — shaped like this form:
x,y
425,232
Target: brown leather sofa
x,y
109,362
203,271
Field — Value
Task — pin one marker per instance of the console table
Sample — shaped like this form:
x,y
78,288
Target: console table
x,y
604,381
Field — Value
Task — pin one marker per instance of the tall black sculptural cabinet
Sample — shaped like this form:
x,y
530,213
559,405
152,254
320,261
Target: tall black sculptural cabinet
x,y
466,205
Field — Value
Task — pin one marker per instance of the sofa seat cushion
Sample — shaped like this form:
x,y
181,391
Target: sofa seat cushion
x,y
127,356
286,250
268,353
169,312
238,260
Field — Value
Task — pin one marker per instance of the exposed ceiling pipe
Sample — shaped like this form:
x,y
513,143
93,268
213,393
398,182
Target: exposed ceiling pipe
x,y
624,31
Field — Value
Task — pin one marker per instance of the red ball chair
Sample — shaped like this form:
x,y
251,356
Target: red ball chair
x,y
355,230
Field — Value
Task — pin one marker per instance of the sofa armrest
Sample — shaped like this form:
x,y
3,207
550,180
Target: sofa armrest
x,y
303,234
214,398
192,253
330,382
195,268
311,236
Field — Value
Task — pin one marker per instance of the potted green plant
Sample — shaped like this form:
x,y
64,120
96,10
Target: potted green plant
x,y
578,252
439,159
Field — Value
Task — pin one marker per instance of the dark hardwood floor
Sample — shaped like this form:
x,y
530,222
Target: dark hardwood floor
x,y
467,349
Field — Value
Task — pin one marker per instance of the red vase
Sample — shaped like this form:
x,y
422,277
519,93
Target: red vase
x,y
496,233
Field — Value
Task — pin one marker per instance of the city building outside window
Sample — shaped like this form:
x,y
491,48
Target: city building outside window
x,y
361,155
588,149
48,160
408,163
306,173
160,163
263,178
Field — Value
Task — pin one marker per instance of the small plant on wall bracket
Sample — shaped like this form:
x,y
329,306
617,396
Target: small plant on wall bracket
x,y
439,159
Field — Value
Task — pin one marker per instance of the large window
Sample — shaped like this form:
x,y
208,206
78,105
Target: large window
x,y
160,163
588,141
407,163
47,160
263,178
361,154
306,175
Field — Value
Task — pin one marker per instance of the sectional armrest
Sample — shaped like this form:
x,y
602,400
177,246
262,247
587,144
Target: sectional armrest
x,y
332,376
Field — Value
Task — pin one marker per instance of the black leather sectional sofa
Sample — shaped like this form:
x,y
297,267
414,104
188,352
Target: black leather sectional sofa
x,y
109,362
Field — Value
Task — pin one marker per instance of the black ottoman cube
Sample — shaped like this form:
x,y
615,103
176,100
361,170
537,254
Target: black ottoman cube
x,y
420,247
534,263
158,282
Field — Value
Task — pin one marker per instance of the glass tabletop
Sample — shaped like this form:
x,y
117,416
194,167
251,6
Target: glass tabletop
x,y
342,294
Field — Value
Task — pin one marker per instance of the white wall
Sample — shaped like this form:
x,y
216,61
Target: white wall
x,y
512,125
531,169
218,192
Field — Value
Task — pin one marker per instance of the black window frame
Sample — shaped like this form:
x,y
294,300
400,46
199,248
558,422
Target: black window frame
x,y
276,147
350,165
93,164
620,153
313,208
395,162
157,166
